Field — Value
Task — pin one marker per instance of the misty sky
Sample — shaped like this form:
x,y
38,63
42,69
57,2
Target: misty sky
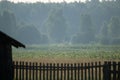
x,y
46,0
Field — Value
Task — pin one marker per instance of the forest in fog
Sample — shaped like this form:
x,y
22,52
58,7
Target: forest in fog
x,y
93,22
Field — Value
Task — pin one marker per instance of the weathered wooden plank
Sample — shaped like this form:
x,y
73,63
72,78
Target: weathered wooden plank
x,y
114,71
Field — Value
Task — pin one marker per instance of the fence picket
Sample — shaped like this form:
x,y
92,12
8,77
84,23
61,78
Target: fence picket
x,y
114,71
54,71
105,71
118,71
78,71
51,71
89,71
33,71
100,71
61,77
109,70
68,72
40,71
36,71
71,71
20,71
26,67
57,71
16,70
85,76
64,71
30,76
81,71
75,71
92,74
47,72
43,71
95,71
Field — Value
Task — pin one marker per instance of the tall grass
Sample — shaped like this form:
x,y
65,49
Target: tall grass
x,y
72,51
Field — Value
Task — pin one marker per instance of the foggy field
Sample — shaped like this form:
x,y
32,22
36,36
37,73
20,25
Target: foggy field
x,y
68,54
93,22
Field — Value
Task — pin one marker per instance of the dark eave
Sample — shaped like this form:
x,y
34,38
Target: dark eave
x,y
10,40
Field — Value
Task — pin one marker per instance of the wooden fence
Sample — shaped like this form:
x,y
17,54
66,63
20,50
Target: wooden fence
x,y
80,71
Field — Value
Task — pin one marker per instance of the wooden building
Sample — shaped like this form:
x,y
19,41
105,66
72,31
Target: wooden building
x,y
6,63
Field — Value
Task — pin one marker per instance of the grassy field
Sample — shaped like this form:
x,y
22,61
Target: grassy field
x,y
67,54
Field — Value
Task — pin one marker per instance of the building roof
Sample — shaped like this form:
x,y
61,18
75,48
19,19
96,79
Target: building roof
x,y
9,39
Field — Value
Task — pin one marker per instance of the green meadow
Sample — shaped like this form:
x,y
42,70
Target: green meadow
x,y
68,52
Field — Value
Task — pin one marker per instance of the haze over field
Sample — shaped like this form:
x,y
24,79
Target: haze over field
x,y
32,1
93,22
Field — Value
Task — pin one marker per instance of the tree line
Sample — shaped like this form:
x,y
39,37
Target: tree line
x,y
93,22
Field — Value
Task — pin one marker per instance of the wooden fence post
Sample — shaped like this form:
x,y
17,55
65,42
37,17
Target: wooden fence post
x,y
20,71
92,71
100,71
71,71
26,70
62,71
85,73
54,70
114,71
81,71
30,65
67,71
118,71
96,71
17,70
109,70
75,71
105,71
40,71
57,71
33,71
89,71
78,71
22,64
36,70
47,71
50,71
43,71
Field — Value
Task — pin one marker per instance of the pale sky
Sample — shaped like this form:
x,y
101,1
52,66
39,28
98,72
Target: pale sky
x,y
32,1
